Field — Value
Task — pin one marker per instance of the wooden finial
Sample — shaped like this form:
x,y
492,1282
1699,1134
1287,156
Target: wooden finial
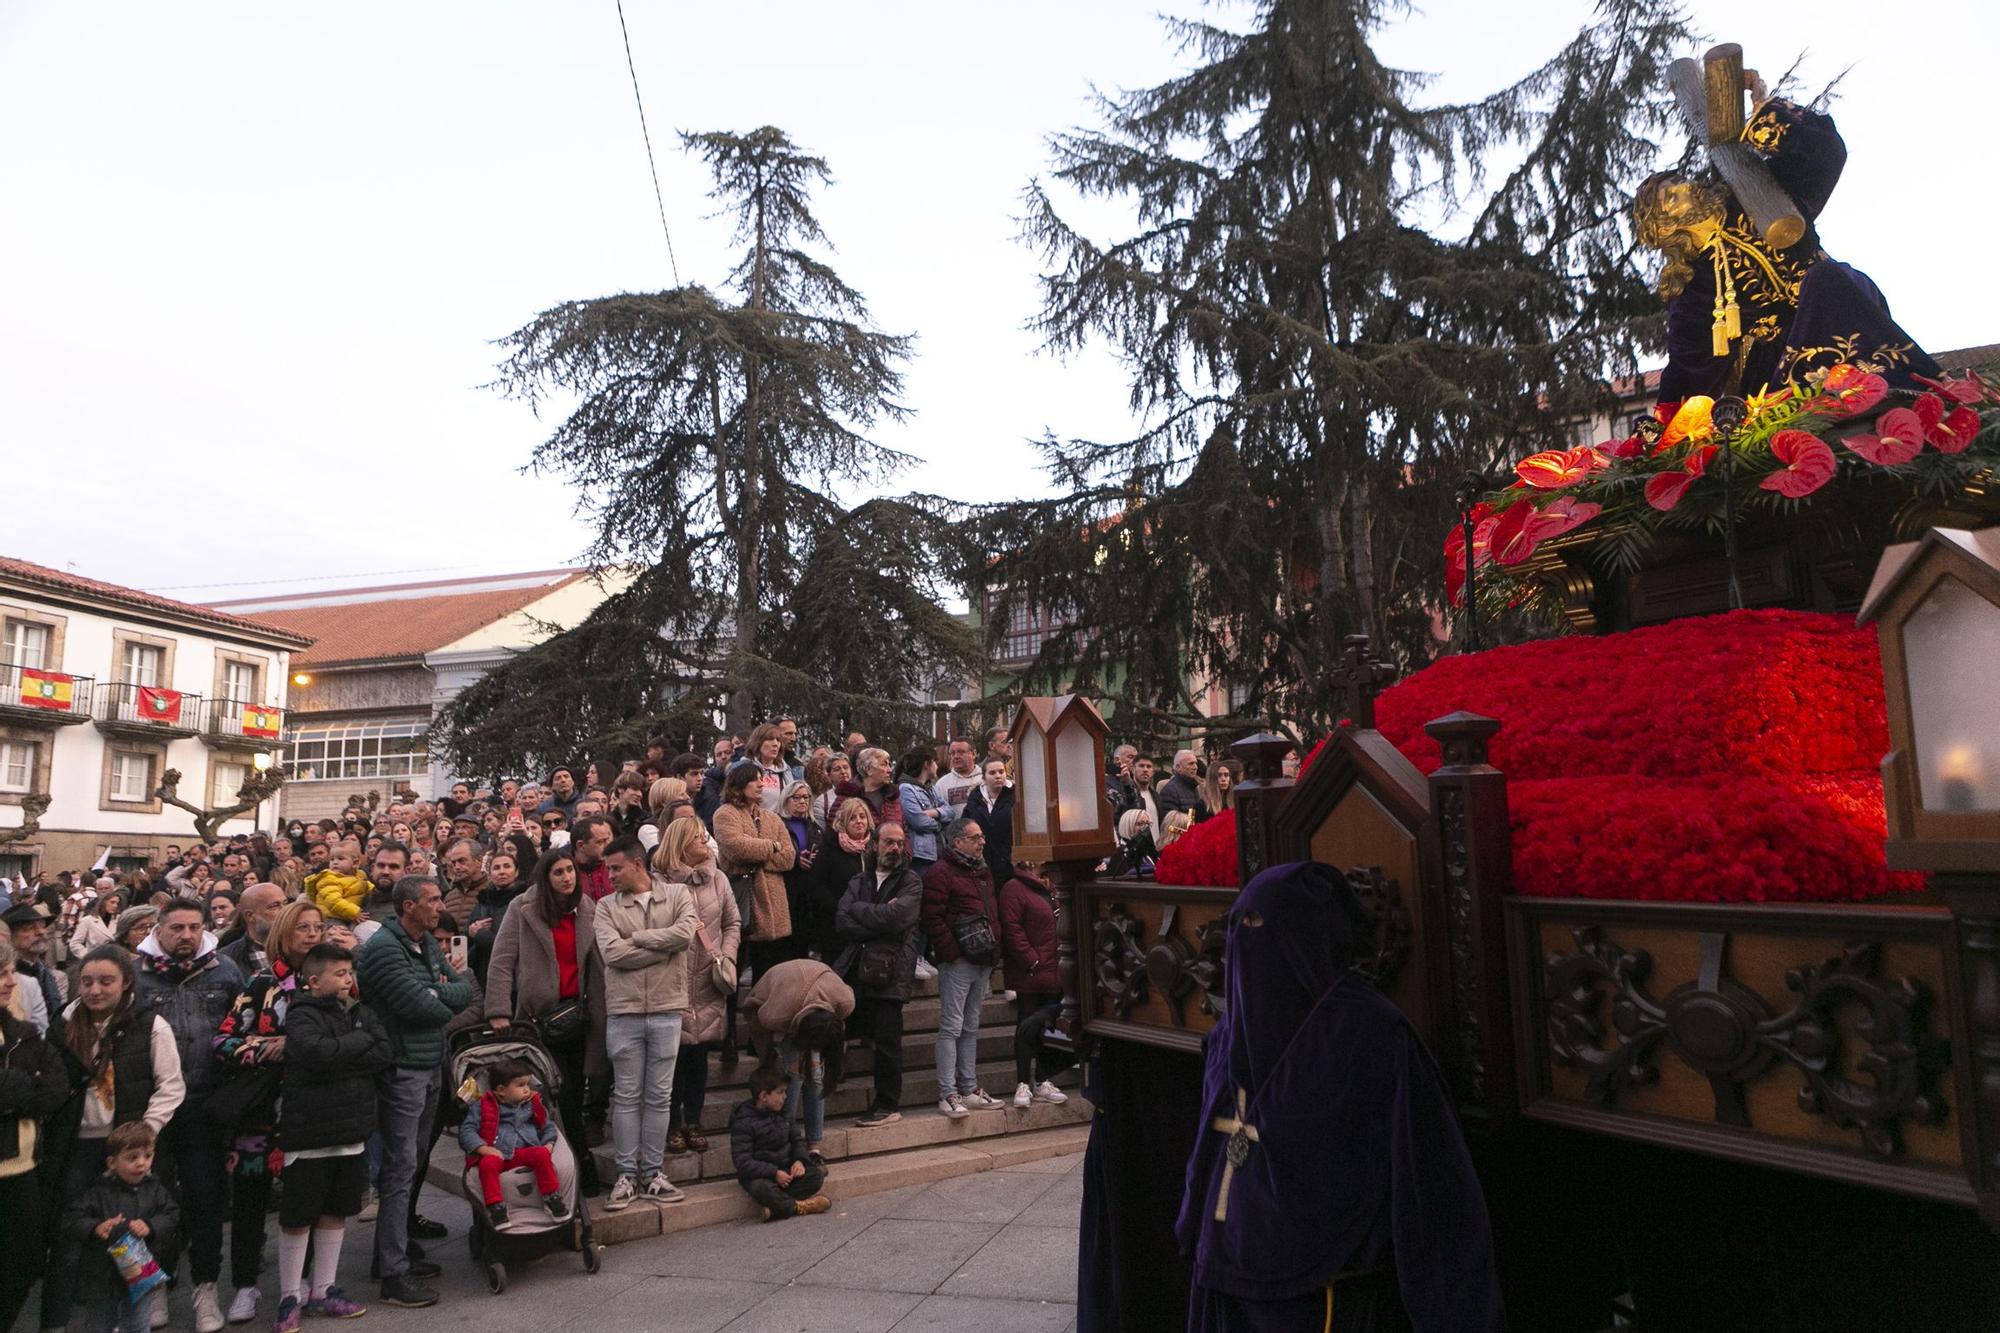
x,y
1359,678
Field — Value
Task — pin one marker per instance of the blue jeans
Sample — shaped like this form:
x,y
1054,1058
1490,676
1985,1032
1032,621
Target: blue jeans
x,y
408,1103
642,1049
115,1314
790,1061
962,988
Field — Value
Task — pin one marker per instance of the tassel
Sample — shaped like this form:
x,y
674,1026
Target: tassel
x,y
1719,333
1733,319
1726,319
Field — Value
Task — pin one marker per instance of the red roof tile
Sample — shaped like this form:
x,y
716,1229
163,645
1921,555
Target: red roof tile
x,y
62,581
405,627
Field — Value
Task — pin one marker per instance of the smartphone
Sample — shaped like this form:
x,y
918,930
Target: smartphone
x,y
460,951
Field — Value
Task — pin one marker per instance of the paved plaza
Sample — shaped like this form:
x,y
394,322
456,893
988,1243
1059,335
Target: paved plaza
x,y
993,1250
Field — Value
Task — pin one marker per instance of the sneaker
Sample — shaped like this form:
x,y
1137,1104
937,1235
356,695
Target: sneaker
x,y
818,1203
157,1318
496,1216
951,1106
623,1191
400,1291
244,1307
1023,1094
207,1309
370,1202
925,971
876,1119
333,1304
1049,1092
423,1228
676,1141
661,1190
977,1100
557,1208
288,1316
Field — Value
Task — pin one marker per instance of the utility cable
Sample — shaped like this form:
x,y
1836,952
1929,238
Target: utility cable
x,y
647,135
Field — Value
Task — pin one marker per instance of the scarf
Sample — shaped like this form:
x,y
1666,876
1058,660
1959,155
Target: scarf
x,y
176,969
964,862
849,845
798,828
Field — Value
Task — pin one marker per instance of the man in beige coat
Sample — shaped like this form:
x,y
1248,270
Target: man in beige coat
x,y
643,930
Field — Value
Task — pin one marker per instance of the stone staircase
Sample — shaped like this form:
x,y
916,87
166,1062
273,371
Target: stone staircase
x,y
923,1146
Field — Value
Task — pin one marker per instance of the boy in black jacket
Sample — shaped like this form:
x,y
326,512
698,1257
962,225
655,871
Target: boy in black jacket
x,y
334,1048
769,1153
127,1197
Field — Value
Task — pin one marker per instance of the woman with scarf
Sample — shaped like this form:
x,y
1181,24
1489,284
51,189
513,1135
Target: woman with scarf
x,y
875,784
686,858
839,861
124,1056
546,969
489,910
250,1044
807,838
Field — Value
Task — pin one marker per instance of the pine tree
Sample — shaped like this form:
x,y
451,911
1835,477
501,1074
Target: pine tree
x,y
1332,304
706,436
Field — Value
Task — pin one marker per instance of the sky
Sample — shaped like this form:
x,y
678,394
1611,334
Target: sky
x,y
254,257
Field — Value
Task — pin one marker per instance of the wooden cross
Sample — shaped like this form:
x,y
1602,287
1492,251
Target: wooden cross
x,y
1360,678
1241,1136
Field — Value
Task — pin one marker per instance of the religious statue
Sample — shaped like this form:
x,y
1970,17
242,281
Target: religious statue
x,y
1752,299
1330,1188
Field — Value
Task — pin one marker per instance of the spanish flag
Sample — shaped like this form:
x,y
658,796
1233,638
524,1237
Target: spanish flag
x,y
47,689
259,721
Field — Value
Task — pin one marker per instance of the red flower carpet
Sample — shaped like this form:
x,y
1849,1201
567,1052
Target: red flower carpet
x,y
1728,758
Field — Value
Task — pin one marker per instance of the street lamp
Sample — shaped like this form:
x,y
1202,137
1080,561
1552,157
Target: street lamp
x,y
1936,603
1062,813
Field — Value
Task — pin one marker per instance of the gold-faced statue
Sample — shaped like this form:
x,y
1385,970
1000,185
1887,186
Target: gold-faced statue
x,y
1678,217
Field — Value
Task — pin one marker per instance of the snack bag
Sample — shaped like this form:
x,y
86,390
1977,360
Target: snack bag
x,y
135,1263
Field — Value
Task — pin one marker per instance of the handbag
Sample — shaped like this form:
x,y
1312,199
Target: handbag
x,y
875,969
721,967
235,1101
563,1022
975,939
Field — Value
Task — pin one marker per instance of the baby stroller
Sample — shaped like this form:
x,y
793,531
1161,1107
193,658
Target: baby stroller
x,y
531,1232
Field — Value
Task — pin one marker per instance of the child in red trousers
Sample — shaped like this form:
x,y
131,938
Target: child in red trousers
x,y
508,1127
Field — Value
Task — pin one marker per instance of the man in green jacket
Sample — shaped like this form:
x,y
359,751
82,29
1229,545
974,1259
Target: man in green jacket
x,y
414,991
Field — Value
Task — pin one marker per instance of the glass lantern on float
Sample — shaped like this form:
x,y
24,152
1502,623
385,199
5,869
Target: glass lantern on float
x,y
1062,812
1936,606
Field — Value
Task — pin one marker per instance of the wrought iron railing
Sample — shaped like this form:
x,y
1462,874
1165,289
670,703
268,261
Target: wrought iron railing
x,y
54,692
146,705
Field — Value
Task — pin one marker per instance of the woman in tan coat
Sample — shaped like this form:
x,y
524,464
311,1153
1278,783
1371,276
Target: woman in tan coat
x,y
686,858
756,842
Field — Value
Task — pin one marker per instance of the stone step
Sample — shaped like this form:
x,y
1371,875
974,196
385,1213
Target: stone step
x,y
711,1201
922,1125
996,1075
919,1048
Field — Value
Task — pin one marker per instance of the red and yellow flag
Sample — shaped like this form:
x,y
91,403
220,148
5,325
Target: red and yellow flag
x,y
158,704
260,721
48,689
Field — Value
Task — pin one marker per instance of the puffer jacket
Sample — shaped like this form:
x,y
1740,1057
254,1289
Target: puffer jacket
x,y
762,1143
955,889
492,1123
757,840
644,943
788,992
1029,940
333,1051
34,1083
414,994
708,1006
194,1001
149,1201
888,911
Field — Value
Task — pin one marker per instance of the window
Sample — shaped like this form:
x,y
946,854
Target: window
x,y
240,683
27,644
19,762
16,864
131,776
139,664
224,781
343,750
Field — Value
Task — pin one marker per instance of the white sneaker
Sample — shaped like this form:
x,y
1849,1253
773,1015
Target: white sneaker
x,y
977,1100
157,1318
1023,1094
925,971
244,1308
207,1309
623,1191
369,1204
1047,1092
951,1105
661,1190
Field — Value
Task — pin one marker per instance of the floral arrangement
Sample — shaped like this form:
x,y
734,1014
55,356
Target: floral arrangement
x,y
1727,758
1767,451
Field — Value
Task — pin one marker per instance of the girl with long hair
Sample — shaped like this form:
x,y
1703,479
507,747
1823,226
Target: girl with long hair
x,y
685,857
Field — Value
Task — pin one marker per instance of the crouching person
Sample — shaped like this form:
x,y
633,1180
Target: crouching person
x,y
770,1154
508,1127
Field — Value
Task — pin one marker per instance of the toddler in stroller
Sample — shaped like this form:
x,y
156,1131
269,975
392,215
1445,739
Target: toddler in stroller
x,y
508,1126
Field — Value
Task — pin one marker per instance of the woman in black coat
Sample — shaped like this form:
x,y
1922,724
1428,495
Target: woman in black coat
x,y
34,1084
838,862
991,806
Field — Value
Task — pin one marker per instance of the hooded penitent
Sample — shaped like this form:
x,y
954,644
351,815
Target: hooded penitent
x,y
1329,1186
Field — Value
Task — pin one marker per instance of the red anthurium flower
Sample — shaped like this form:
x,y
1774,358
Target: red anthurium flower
x,y
1854,389
1665,491
1955,432
1564,514
1809,464
1692,420
1554,469
1899,437
1966,389
1516,533
1696,463
1629,447
1482,539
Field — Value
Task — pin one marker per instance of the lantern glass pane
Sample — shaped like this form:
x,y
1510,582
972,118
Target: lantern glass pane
x,y
1032,759
1950,643
1079,777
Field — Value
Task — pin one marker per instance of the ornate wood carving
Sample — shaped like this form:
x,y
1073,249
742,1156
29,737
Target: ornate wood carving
x,y
1381,956
1733,1036
1359,678
1260,799
1122,978
1974,976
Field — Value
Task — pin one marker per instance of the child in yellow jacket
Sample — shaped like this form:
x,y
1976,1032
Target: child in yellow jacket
x,y
339,890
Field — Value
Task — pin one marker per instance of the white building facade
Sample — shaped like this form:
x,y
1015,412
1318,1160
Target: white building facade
x,y
103,689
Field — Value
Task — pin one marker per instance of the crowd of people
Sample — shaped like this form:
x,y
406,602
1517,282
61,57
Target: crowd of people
x,y
268,1018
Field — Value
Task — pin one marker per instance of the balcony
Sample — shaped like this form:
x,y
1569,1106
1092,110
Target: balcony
x,y
33,697
237,724
142,712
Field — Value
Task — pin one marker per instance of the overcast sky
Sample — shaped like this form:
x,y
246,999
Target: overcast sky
x,y
253,256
